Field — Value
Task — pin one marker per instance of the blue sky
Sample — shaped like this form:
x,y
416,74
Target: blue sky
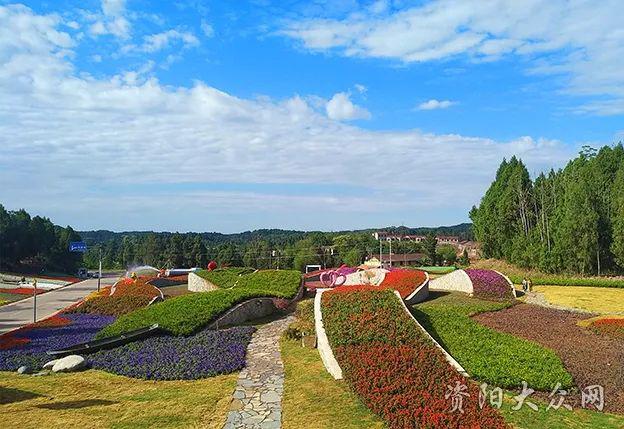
x,y
237,115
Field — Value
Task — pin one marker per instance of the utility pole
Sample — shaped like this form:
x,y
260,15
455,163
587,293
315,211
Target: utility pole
x,y
100,271
380,260
390,253
34,300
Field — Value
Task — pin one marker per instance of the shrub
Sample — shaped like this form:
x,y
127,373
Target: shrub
x,y
494,357
489,284
397,370
224,277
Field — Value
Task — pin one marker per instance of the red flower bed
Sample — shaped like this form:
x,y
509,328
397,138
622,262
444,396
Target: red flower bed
x,y
9,341
140,287
396,370
609,326
51,322
404,281
22,291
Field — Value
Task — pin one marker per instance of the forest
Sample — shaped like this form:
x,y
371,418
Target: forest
x,y
35,244
565,221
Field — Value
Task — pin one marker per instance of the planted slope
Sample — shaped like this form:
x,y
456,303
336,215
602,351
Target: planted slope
x,y
494,357
395,369
184,315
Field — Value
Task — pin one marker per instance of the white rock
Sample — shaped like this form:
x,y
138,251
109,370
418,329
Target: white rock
x,y
69,363
50,364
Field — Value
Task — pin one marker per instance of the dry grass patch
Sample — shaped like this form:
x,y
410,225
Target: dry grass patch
x,y
96,399
591,299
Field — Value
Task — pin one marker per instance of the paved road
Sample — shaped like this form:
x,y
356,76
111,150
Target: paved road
x,y
21,313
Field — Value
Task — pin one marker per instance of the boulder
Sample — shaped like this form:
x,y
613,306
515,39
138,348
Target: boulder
x,y
69,363
24,370
50,364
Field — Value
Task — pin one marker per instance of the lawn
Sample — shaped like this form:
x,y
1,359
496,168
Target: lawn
x,y
494,357
99,400
313,399
594,300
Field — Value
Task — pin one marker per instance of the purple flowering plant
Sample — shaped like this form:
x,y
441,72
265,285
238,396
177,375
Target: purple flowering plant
x,y
489,284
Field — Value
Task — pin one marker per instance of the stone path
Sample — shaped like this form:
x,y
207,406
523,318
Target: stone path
x,y
257,399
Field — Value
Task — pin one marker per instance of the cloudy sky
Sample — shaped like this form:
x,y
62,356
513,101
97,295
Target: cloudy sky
x,y
229,116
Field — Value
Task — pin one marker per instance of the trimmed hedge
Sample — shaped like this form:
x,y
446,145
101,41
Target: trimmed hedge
x,y
570,281
494,357
224,277
186,314
395,369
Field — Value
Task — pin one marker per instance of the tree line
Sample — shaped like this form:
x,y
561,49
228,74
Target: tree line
x,y
35,244
569,220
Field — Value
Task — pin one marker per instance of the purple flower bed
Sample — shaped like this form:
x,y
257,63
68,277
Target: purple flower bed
x,y
82,329
205,354
489,284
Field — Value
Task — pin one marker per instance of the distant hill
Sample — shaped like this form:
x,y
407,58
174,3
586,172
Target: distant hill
x,y
462,230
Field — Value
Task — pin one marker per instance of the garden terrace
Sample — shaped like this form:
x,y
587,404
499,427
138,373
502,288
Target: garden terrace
x,y
494,357
186,314
590,357
393,366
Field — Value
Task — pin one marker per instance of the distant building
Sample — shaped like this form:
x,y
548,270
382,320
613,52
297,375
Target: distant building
x,y
471,247
401,259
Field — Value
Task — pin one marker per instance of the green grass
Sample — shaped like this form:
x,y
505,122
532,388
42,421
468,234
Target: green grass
x,y
437,270
224,277
186,314
96,399
526,418
313,399
497,358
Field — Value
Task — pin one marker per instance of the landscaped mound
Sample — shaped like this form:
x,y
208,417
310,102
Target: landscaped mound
x,y
494,357
205,354
486,284
405,281
489,284
184,315
225,277
394,367
30,343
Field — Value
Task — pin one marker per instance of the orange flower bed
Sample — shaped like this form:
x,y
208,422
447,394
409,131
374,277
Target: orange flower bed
x,y
609,326
51,322
22,291
403,281
140,287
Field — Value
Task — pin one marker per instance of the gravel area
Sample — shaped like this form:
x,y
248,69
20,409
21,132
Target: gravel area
x,y
589,357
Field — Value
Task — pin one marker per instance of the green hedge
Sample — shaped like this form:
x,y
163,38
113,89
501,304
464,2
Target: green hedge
x,y
224,277
571,281
438,270
186,314
494,357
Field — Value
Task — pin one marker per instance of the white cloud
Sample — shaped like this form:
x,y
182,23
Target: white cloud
x,y
341,108
111,20
579,39
74,137
360,88
434,104
207,29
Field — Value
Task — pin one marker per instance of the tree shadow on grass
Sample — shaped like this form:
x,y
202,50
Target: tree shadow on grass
x,y
9,395
68,405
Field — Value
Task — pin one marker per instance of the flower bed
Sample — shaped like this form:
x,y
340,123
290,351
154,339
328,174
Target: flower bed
x,y
609,326
395,369
489,284
205,354
31,343
404,281
112,305
22,290
140,287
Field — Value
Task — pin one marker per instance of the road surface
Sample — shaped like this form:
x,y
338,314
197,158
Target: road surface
x,y
20,313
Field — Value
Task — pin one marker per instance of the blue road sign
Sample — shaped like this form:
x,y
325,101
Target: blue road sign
x,y
77,246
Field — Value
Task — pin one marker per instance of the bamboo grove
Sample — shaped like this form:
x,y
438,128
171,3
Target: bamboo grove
x,y
570,220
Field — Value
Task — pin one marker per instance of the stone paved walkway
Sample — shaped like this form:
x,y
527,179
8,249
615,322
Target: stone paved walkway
x,y
538,298
257,399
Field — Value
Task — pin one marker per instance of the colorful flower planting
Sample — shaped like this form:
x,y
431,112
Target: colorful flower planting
x,y
404,281
31,343
489,284
113,305
609,326
22,291
186,314
205,354
395,369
